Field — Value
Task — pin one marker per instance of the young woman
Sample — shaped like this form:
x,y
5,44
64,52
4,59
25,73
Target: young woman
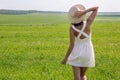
x,y
80,55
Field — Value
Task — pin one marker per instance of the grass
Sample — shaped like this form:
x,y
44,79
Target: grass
x,y
32,47
32,19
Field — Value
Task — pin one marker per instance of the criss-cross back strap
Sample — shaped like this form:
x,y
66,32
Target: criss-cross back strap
x,y
81,32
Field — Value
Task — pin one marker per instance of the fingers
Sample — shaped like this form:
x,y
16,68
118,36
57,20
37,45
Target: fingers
x,y
79,13
64,61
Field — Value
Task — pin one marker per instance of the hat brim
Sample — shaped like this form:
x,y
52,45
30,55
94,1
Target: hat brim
x,y
71,14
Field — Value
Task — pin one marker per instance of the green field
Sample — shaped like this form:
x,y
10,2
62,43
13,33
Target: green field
x,y
32,47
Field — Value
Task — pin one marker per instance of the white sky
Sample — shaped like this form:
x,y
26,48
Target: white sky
x,y
59,5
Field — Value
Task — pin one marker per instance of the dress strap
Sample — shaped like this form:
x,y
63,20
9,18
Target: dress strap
x,y
81,31
84,25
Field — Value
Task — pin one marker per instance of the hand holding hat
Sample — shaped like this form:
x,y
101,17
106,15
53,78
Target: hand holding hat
x,y
75,13
79,13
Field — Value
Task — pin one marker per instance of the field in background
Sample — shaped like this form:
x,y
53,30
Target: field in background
x,y
32,47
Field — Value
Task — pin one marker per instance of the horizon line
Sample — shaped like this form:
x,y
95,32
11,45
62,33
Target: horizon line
x,y
47,10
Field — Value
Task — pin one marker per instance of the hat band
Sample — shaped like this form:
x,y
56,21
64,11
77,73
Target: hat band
x,y
77,24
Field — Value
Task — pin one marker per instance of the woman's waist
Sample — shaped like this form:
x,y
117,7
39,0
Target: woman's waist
x,y
83,40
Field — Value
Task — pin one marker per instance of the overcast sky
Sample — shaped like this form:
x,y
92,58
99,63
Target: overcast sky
x,y
59,5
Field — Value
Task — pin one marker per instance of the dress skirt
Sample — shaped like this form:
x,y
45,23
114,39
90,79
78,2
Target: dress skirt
x,y
82,54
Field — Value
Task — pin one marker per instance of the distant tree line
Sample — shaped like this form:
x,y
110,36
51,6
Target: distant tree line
x,y
109,13
19,12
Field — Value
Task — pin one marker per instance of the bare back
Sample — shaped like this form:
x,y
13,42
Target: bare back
x,y
86,30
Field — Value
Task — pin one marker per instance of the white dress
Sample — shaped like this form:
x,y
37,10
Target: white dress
x,y
82,54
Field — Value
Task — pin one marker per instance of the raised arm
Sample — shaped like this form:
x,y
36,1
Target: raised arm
x,y
72,39
92,15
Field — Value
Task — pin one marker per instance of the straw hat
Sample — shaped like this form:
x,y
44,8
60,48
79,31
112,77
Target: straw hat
x,y
71,13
